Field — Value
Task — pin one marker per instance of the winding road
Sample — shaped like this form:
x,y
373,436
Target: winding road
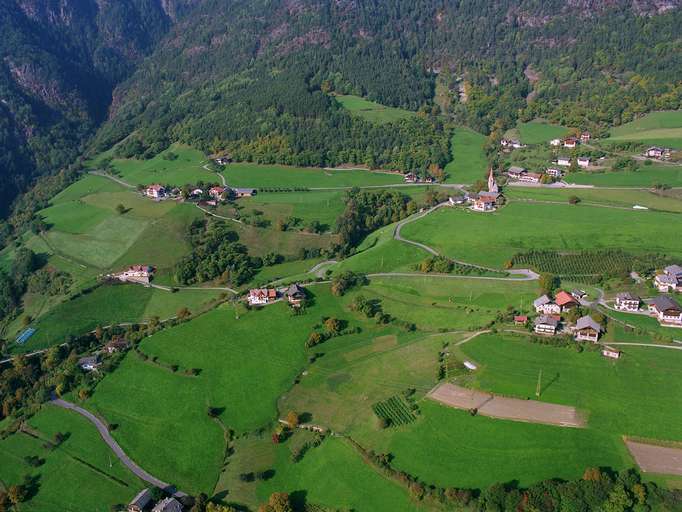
x,y
116,448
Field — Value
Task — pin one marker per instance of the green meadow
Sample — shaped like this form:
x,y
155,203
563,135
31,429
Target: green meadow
x,y
81,474
469,163
661,128
645,177
187,167
107,305
537,132
279,176
371,111
492,239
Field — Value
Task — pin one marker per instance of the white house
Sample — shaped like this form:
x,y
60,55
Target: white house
x,y
530,177
554,172
216,192
90,363
155,191
516,173
546,324
654,152
546,306
168,505
666,310
583,162
140,501
261,296
585,137
570,142
670,280
610,353
587,329
555,143
563,161
483,203
136,274
626,301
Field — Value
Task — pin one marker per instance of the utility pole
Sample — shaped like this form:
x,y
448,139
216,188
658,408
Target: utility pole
x,y
539,386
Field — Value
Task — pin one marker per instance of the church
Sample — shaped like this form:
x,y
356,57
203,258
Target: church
x,y
487,201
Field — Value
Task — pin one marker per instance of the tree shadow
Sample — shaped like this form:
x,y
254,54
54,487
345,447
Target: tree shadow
x,y
549,383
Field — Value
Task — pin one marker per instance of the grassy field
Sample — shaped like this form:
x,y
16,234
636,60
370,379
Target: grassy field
x,y
433,303
537,132
81,474
279,176
645,177
469,162
107,305
379,252
186,168
86,186
621,198
520,227
245,364
371,111
662,128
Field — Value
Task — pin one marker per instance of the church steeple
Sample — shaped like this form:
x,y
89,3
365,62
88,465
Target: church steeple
x,y
492,184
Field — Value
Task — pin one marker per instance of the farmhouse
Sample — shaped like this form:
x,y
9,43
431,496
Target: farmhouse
x,y
89,363
530,177
515,173
656,152
136,274
670,280
261,296
511,143
585,137
484,203
455,200
626,301
570,142
563,161
216,192
411,177
546,324
666,310
583,162
555,142
295,295
223,160
155,191
554,172
117,344
520,320
244,192
613,354
565,300
587,329
168,505
546,306
140,501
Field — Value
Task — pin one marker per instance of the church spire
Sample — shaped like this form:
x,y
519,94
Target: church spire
x,y
492,184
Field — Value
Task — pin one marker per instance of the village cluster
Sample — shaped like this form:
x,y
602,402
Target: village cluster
x,y
211,196
483,201
145,499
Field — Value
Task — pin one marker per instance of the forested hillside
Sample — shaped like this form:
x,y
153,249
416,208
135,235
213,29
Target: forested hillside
x,y
59,62
254,79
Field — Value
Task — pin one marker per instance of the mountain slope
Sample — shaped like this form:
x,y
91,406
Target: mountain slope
x,y
251,77
59,62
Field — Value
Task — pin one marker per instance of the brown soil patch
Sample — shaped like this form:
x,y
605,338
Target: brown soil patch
x,y
656,459
515,409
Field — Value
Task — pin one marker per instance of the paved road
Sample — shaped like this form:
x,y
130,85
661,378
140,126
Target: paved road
x,y
320,269
451,276
673,347
115,447
218,216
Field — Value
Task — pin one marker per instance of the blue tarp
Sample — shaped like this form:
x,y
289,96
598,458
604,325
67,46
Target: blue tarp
x,y
24,336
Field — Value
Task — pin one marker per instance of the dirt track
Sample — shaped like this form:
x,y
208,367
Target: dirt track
x,y
515,409
656,459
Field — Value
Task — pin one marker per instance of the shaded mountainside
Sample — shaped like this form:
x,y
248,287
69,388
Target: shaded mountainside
x,y
59,62
251,77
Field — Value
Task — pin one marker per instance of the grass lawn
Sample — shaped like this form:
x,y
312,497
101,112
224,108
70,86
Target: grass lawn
x,y
279,176
74,217
645,177
620,197
520,227
433,303
379,252
245,365
186,168
87,185
469,162
262,241
103,306
537,132
81,474
661,128
284,270
371,111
